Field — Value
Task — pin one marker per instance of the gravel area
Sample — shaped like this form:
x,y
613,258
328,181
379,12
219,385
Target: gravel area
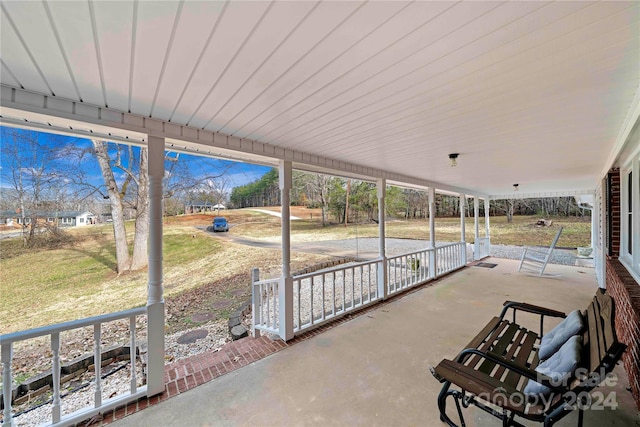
x,y
79,392
365,247
559,256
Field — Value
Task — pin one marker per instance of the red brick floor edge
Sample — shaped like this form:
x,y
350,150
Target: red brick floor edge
x,y
186,374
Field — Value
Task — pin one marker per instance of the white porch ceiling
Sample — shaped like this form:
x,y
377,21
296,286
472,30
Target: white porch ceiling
x,y
535,93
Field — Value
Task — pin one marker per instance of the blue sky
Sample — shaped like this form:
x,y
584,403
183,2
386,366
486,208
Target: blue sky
x,y
237,173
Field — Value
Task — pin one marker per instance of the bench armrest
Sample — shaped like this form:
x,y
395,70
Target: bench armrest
x,y
530,308
522,370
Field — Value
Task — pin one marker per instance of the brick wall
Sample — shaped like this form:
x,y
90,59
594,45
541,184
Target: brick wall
x,y
625,291
613,227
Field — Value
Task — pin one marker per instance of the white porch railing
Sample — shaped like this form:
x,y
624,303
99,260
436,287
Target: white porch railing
x,y
58,418
325,295
482,248
407,270
264,304
449,257
328,294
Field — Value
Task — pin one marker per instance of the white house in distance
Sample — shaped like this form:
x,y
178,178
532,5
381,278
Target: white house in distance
x,y
63,218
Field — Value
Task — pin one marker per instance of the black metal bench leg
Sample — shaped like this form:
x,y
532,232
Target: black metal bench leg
x,y
457,400
580,416
442,404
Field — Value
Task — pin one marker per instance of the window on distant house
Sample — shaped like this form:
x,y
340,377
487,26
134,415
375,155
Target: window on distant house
x,y
81,220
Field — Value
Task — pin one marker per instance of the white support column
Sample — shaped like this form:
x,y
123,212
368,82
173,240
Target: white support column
x,y
476,228
599,215
285,290
155,299
487,227
463,237
432,232
382,250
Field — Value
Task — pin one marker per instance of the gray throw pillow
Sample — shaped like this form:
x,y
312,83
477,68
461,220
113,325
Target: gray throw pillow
x,y
552,341
559,367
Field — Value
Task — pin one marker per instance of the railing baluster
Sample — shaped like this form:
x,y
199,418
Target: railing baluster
x,y
408,273
132,354
299,301
276,290
97,359
7,355
268,297
353,288
55,372
324,298
311,301
375,282
344,293
333,295
361,284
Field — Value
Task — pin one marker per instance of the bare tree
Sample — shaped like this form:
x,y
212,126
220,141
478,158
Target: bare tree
x,y
31,177
117,195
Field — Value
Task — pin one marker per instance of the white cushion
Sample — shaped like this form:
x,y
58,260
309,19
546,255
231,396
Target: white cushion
x,y
559,367
551,342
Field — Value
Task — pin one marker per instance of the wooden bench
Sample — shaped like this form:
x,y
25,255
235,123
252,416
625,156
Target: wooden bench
x,y
494,368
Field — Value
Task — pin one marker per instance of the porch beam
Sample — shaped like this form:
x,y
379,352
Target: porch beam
x,y
381,186
539,195
285,290
155,299
22,108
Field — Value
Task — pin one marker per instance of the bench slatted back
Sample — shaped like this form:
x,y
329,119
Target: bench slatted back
x,y
601,347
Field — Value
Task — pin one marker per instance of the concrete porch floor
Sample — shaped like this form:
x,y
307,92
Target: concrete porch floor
x,y
374,369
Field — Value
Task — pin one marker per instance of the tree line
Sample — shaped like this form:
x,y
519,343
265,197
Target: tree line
x,y
345,200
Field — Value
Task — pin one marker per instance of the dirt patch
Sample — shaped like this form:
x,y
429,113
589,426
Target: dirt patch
x,y
299,211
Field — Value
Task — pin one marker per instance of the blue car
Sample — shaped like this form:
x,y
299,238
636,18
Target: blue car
x,y
220,224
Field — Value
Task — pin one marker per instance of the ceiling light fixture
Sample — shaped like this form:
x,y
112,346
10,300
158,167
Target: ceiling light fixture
x,y
515,187
452,160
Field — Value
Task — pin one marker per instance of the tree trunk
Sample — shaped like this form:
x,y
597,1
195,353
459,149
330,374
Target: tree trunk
x,y
119,232
510,209
140,256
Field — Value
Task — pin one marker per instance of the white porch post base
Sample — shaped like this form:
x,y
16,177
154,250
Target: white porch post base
x,y
155,348
285,308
